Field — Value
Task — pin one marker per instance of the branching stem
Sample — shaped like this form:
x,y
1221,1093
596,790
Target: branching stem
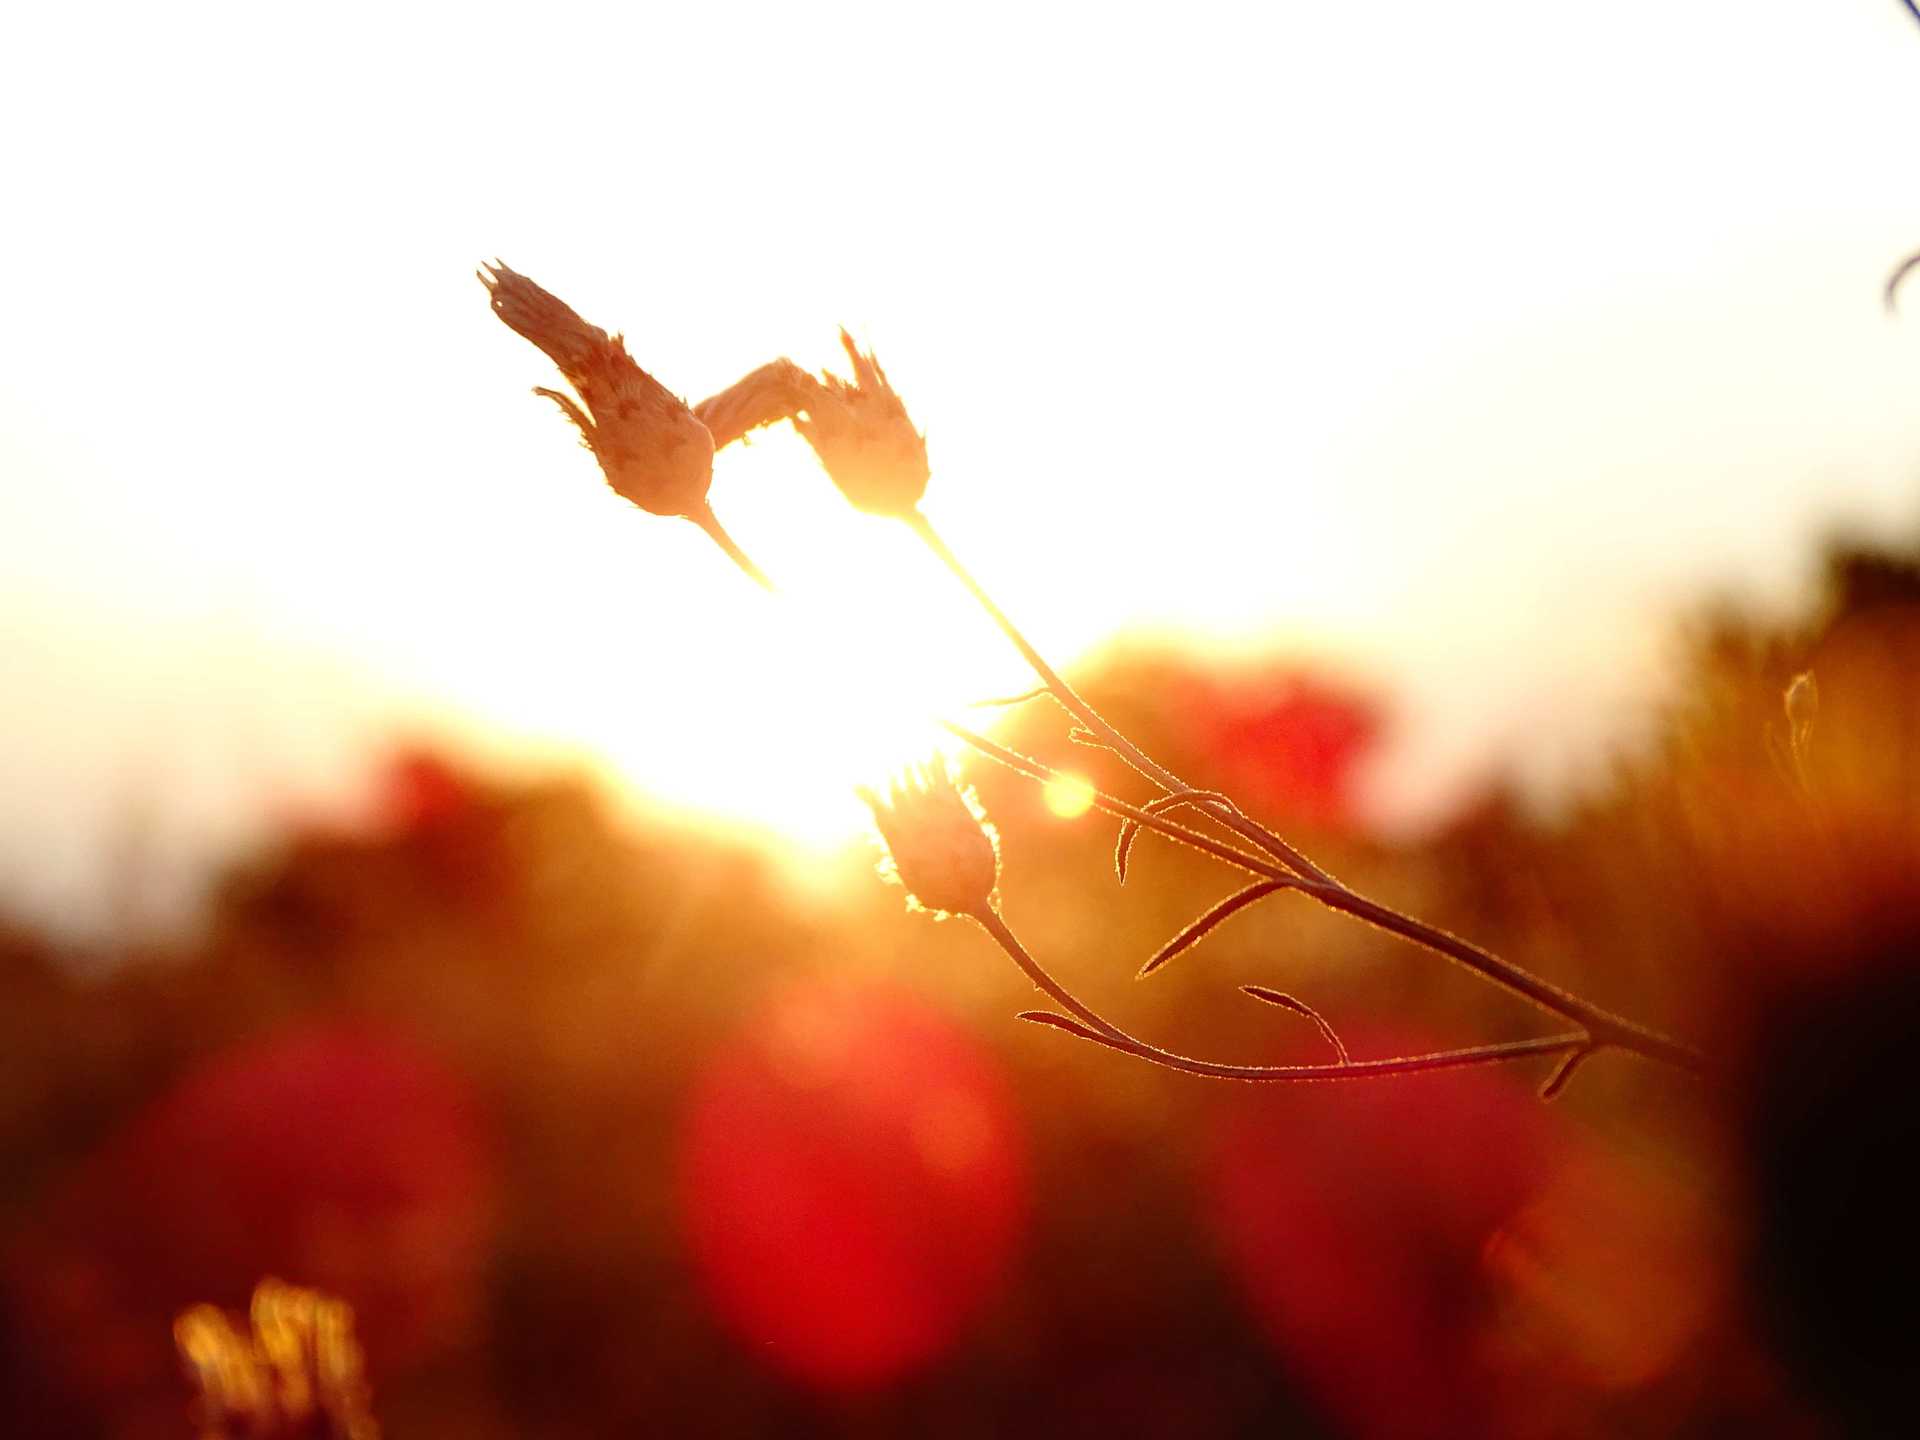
x,y
1076,704
1282,865
1605,1029
1102,1032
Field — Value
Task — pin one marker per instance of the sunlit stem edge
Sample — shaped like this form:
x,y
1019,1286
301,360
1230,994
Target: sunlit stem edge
x,y
1085,713
710,523
1102,1032
1605,1029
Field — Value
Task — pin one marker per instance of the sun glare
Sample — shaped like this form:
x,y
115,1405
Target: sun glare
x,y
721,702
1068,796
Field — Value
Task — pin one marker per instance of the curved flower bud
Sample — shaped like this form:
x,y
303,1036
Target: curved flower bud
x,y
859,428
943,849
653,449
778,390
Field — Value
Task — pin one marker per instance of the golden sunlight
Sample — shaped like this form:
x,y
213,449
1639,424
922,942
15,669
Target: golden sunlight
x,y
649,656
1068,796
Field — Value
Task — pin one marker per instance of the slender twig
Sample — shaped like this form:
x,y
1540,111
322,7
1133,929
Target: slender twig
x,y
1600,1028
1113,805
1606,1028
1301,1008
1129,831
709,522
1563,1072
1092,1026
1225,814
1603,1028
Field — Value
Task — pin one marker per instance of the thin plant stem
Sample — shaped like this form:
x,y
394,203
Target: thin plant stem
x,y
1148,819
717,532
1601,1028
1102,1032
1082,710
1604,1027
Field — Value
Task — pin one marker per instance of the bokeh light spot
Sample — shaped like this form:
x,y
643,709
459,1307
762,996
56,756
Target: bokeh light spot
x,y
1069,796
853,1183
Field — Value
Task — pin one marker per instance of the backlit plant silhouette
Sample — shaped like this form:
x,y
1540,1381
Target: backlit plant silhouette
x,y
657,453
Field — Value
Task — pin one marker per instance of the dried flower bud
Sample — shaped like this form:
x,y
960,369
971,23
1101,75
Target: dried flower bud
x,y
943,850
298,1371
776,391
654,451
859,427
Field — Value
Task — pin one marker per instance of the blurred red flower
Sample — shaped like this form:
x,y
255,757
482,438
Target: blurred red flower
x,y
853,1182
333,1156
1286,743
1355,1218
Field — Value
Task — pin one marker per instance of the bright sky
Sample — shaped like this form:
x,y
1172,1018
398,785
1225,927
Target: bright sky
x,y
1453,345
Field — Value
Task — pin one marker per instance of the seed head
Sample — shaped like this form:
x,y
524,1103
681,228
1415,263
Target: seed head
x,y
943,849
653,450
859,428
778,390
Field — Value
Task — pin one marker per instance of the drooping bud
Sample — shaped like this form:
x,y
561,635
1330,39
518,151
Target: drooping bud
x,y
778,390
859,428
652,448
943,849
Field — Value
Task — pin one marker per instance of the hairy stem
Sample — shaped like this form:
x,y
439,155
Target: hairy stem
x,y
1103,1032
1604,1027
1077,705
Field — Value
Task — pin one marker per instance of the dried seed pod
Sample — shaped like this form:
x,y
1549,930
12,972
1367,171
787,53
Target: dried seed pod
x,y
653,449
943,850
860,431
859,428
778,390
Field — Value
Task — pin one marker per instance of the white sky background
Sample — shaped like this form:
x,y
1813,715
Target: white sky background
x,y
1454,345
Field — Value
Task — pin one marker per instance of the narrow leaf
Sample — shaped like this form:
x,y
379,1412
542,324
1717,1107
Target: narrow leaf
x,y
1563,1072
1130,829
1196,931
1058,1022
1300,1007
1020,699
